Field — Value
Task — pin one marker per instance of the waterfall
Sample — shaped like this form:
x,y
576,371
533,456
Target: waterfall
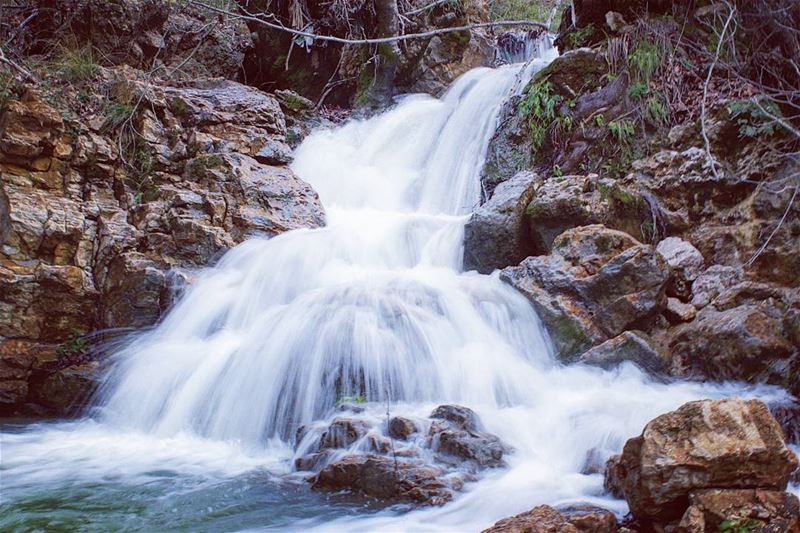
x,y
193,427
372,305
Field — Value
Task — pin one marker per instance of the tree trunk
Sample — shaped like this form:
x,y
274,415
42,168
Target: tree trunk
x,y
382,88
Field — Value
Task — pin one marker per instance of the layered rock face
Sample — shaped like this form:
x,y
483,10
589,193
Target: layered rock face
x,y
719,299
99,230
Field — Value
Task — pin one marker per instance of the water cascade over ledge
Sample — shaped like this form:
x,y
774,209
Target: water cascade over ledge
x,y
193,427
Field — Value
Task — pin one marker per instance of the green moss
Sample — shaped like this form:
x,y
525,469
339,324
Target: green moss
x,y
603,243
200,166
568,334
536,210
179,107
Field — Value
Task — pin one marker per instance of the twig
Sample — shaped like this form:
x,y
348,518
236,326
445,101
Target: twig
x,y
774,231
425,8
705,93
378,40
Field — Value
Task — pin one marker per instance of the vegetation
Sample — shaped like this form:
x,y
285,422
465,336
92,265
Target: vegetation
x,y
539,106
74,345
77,64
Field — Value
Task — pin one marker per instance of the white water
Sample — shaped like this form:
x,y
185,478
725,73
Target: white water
x,y
372,304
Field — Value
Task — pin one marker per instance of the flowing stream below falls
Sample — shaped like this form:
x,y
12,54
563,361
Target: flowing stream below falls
x,y
193,427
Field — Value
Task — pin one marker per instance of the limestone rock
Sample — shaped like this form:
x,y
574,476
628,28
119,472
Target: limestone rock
x,y
496,235
380,477
685,263
566,519
677,311
724,444
632,346
596,284
754,509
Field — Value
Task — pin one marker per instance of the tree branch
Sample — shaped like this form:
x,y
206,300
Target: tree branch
x,y
380,40
25,74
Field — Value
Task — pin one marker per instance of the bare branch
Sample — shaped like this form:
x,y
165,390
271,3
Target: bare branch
x,y
711,67
24,73
379,40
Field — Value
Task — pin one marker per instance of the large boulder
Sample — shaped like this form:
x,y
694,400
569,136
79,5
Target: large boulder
x,y
496,235
565,202
685,263
596,284
720,444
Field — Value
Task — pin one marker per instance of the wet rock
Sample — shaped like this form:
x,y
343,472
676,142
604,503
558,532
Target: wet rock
x,y
596,284
542,519
750,509
724,444
401,428
614,477
632,346
351,453
69,388
685,263
496,235
485,450
384,478
567,519
447,57
462,417
342,433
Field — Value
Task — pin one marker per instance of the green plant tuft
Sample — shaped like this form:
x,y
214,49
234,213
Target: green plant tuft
x,y
539,106
77,64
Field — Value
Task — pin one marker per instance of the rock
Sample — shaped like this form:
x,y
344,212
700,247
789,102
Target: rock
x,y
566,519
565,202
633,346
69,388
383,478
712,281
29,128
750,342
496,235
596,284
723,444
447,57
342,433
87,245
685,263
401,428
748,509
614,477
187,42
677,311
589,518
351,453
542,519
462,417
485,450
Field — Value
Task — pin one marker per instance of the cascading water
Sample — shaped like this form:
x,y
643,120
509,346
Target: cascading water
x,y
193,426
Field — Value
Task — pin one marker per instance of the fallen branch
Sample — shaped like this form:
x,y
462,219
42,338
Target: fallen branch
x,y
379,40
26,75
425,8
